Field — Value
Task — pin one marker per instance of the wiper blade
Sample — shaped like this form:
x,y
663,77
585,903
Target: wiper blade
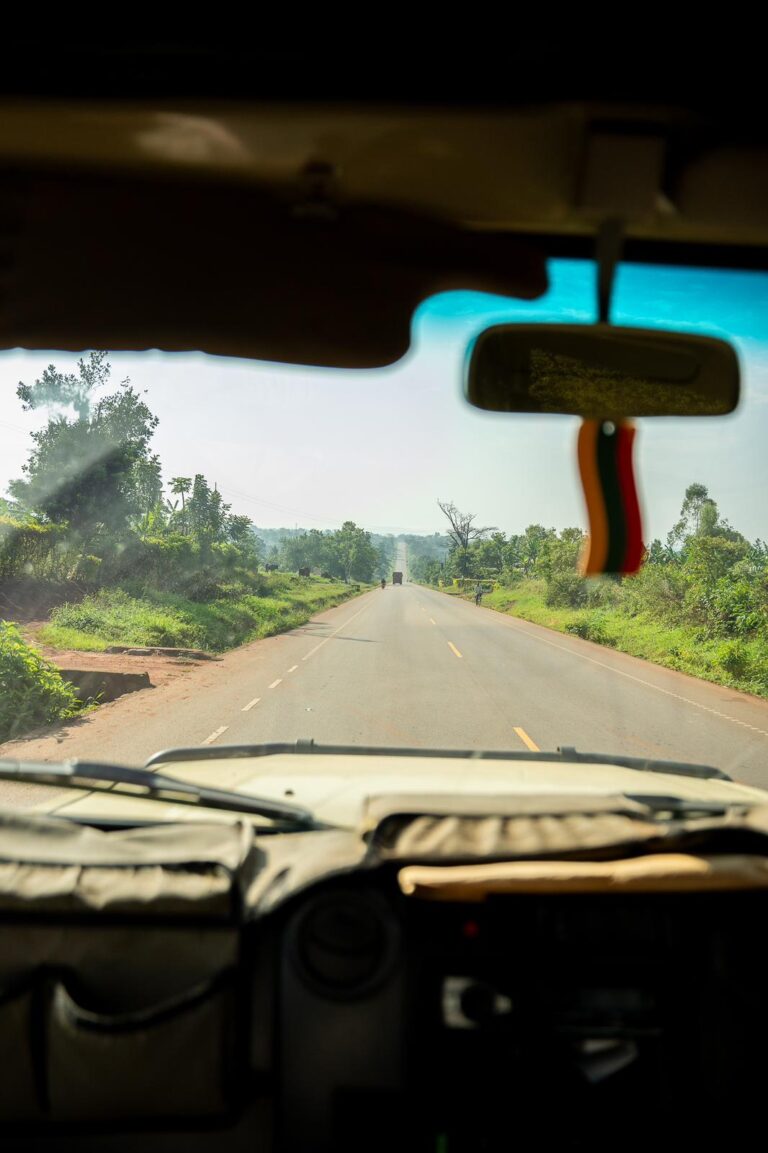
x,y
566,754
147,785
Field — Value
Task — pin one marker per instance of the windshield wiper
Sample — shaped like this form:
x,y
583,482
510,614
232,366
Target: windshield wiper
x,y
151,786
566,754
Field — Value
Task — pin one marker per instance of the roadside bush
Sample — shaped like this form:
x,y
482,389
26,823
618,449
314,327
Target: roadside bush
x,y
201,586
590,629
158,562
734,658
118,618
657,590
567,589
32,691
738,606
32,549
86,569
604,593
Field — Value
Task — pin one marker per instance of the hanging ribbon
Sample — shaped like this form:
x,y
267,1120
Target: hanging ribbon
x,y
615,528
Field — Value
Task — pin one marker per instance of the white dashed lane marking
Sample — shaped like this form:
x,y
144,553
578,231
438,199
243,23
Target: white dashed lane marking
x,y
333,634
213,736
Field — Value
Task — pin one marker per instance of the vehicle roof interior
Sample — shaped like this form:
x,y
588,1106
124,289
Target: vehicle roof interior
x,y
294,206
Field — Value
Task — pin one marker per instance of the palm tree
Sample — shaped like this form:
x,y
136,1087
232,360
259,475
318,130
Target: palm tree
x,y
180,486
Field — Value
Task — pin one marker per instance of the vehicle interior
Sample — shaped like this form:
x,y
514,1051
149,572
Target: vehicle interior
x,y
455,974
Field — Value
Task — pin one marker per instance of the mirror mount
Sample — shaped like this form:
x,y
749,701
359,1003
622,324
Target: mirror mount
x,y
608,250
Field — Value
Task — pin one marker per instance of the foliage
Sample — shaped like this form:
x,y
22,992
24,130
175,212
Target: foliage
x,y
463,533
348,553
116,617
32,692
94,474
707,587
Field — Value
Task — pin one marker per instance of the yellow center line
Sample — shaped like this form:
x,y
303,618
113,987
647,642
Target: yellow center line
x,y
250,704
527,740
453,649
276,683
431,621
293,668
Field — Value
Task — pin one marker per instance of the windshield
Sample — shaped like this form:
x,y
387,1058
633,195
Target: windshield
x,y
203,552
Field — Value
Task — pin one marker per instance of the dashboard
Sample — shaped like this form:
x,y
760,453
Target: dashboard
x,y
428,1025
351,1015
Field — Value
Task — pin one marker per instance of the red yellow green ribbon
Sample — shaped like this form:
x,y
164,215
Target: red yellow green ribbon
x,y
615,527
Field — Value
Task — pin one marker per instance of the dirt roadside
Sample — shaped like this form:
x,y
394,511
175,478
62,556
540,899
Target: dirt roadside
x,y
162,669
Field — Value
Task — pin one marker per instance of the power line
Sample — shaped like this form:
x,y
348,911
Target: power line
x,y
14,427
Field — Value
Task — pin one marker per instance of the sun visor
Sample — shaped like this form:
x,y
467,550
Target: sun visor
x,y
130,263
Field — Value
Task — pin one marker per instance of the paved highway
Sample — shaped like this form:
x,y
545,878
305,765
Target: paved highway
x,y
411,666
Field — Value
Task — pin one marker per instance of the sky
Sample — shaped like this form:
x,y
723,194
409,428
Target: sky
x,y
314,447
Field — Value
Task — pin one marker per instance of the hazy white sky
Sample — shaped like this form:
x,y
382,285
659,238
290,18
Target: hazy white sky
x,y
315,447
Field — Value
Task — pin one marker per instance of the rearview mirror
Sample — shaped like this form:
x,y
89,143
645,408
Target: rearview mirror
x,y
599,371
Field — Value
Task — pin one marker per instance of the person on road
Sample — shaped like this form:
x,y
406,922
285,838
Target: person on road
x,y
478,593
383,583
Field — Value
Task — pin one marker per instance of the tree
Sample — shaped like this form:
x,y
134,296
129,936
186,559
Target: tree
x,y
181,486
57,390
148,484
700,517
95,472
354,553
207,512
689,524
462,532
489,555
296,552
557,561
74,476
533,540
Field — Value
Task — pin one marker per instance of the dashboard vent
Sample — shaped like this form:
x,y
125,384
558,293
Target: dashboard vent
x,y
344,944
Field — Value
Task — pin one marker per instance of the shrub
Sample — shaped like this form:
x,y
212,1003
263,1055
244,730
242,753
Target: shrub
x,y
85,568
32,549
200,586
590,629
118,618
32,691
733,657
604,592
567,589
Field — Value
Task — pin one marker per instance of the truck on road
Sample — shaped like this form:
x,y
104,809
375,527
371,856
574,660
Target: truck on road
x,y
397,578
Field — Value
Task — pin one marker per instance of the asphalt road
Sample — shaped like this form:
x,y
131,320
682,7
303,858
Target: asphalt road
x,y
414,667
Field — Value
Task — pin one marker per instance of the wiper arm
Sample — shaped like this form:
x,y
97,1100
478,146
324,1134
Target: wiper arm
x,y
151,786
565,754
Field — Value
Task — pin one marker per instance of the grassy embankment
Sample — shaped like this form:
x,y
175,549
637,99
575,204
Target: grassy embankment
x,y
740,664
115,617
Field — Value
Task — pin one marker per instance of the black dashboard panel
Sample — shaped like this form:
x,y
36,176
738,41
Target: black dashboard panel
x,y
571,1018
352,1017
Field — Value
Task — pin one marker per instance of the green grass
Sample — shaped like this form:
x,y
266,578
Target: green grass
x,y
741,664
62,637
115,617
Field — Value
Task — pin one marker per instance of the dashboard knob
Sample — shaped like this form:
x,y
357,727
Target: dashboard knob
x,y
469,1003
478,1003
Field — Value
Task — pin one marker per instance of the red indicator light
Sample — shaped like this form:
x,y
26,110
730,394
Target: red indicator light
x,y
470,930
